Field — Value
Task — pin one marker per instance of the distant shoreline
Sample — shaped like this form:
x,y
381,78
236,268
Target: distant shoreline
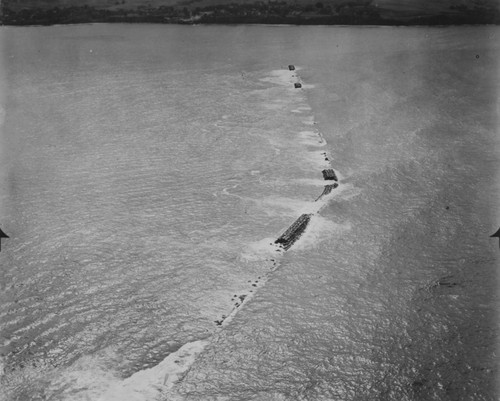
x,y
256,23
255,13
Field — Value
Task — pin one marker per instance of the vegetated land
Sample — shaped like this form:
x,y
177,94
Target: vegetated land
x,y
301,12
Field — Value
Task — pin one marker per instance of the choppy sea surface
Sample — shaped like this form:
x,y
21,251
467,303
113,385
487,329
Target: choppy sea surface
x,y
146,171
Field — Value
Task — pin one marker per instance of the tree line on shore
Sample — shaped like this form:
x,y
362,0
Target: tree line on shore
x,y
270,12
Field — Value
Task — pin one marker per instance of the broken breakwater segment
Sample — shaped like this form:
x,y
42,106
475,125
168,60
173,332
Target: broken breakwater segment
x,y
328,189
329,174
293,233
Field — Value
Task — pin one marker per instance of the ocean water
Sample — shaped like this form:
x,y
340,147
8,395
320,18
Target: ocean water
x,y
147,170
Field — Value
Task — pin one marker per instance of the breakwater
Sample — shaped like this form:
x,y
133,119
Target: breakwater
x,y
329,174
293,233
305,219
327,190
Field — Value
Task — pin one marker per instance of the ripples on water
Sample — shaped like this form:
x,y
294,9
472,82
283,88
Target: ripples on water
x,y
144,183
136,202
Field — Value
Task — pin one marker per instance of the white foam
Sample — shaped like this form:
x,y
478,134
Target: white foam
x,y
308,134
308,121
311,138
260,250
348,191
318,230
248,295
88,379
274,105
316,160
148,384
304,108
283,206
320,182
280,77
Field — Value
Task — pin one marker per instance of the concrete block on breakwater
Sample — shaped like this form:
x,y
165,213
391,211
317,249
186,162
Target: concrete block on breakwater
x,y
327,190
293,232
329,174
